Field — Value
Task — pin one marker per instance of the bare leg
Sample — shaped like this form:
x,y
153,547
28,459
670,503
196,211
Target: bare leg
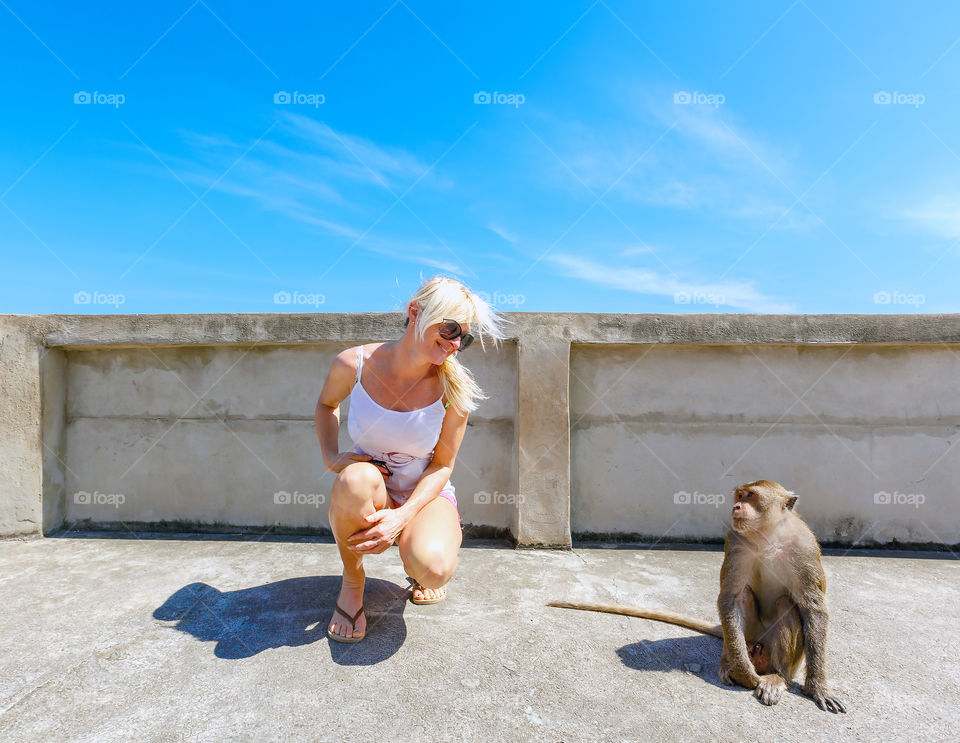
x,y
357,492
429,545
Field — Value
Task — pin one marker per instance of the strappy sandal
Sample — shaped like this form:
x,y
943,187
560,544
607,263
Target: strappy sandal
x,y
353,622
427,601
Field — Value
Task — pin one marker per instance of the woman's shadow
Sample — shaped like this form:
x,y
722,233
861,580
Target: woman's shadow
x,y
291,612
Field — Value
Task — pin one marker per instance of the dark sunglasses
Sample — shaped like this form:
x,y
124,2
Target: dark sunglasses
x,y
450,330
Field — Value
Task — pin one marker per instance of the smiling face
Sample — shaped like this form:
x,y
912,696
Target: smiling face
x,y
436,348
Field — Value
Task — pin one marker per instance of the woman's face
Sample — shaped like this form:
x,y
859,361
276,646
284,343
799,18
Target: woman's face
x,y
436,348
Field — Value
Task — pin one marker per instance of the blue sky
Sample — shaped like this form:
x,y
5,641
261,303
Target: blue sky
x,y
657,157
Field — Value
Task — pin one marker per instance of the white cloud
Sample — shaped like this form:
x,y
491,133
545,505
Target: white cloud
x,y
505,234
740,295
939,215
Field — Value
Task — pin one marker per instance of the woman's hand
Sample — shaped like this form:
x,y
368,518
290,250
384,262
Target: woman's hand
x,y
385,526
341,461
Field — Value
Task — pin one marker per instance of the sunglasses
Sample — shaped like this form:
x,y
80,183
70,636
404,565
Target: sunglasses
x,y
450,330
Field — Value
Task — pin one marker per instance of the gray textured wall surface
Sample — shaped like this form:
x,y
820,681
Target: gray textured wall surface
x,y
615,425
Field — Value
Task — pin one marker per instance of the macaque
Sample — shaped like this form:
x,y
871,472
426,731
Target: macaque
x,y
772,601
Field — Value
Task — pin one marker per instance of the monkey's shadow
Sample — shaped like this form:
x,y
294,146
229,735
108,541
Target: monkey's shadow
x,y
685,654
699,655
290,613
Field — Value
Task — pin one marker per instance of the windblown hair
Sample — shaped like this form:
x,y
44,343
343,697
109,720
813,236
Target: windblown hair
x,y
441,298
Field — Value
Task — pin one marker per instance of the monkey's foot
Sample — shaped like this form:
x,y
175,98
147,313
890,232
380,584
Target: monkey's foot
x,y
770,689
423,595
824,698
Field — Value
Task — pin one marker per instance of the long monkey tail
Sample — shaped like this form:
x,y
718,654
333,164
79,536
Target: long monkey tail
x,y
656,614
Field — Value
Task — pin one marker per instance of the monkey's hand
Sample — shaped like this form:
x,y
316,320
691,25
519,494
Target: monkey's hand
x,y
820,693
731,676
770,689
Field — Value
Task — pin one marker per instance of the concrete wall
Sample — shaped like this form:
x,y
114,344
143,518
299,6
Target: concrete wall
x,y
613,425
662,434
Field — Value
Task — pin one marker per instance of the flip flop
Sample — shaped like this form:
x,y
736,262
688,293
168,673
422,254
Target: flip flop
x,y
427,601
353,622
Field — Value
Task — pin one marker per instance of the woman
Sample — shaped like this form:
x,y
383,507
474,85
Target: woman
x,y
409,402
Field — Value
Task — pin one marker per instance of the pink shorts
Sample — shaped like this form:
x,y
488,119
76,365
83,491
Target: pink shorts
x,y
445,494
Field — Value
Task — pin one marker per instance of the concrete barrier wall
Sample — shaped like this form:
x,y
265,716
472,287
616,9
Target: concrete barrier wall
x,y
621,426
223,435
662,434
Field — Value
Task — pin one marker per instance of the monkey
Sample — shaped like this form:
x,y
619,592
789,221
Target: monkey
x,y
772,600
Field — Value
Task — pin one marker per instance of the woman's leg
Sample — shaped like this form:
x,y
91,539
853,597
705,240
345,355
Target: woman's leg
x,y
428,546
357,492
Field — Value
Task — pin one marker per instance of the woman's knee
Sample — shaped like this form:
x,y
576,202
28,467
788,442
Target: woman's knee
x,y
356,484
430,563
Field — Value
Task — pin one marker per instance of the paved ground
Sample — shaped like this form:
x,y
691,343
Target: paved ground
x,y
160,639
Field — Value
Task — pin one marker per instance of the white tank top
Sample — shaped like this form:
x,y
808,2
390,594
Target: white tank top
x,y
403,439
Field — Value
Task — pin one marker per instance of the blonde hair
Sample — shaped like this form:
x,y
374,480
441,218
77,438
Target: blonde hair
x,y
441,298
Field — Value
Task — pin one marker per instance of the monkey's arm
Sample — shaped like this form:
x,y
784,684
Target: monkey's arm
x,y
735,659
812,606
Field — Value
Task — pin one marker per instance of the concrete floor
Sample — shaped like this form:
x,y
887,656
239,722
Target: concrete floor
x,y
198,638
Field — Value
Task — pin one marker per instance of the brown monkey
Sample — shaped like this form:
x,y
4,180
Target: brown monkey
x,y
772,601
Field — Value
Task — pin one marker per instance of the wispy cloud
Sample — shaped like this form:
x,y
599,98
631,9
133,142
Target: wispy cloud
x,y
739,295
505,234
939,215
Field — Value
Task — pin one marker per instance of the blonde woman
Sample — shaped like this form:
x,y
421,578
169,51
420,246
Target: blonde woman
x,y
409,402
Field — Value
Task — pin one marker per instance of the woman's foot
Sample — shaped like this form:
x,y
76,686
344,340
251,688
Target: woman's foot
x,y
350,603
423,595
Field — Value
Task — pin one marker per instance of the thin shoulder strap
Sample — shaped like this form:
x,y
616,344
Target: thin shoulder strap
x,y
359,362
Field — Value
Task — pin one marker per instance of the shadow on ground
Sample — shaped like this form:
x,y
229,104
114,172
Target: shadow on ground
x,y
290,613
697,655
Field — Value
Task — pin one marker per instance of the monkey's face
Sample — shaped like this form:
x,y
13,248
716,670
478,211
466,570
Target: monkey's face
x,y
748,508
758,503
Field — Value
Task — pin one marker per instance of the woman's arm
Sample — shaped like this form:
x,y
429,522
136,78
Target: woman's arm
x,y
337,386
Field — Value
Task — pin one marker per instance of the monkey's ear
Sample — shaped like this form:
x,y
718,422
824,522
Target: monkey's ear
x,y
791,501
